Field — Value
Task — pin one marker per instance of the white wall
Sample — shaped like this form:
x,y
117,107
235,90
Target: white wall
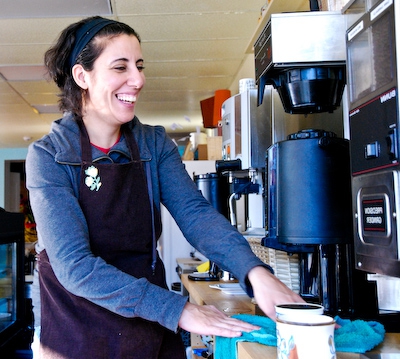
x,y
8,154
247,70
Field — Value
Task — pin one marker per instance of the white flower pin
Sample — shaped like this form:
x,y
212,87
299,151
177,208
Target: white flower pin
x,y
93,179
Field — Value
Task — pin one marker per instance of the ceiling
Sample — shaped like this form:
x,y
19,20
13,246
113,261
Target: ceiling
x,y
191,48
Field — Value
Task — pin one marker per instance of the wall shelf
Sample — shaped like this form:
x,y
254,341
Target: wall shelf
x,y
276,6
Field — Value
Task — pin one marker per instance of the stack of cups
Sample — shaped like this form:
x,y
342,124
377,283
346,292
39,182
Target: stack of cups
x,y
304,332
246,84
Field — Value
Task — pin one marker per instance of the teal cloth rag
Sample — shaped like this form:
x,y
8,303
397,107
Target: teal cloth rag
x,y
356,336
225,348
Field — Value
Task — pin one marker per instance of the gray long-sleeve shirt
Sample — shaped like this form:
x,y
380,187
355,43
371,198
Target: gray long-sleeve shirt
x,y
53,175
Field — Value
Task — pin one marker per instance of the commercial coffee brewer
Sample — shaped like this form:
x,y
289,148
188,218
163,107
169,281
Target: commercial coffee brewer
x,y
373,73
308,182
246,135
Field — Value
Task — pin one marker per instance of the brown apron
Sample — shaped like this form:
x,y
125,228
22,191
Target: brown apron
x,y
122,229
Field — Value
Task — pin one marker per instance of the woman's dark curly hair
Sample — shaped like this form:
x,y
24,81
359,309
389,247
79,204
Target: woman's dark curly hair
x,y
57,60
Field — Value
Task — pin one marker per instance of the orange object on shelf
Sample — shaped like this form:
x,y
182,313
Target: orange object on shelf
x,y
211,108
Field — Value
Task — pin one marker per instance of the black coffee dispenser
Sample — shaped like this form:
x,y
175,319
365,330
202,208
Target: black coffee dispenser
x,y
309,212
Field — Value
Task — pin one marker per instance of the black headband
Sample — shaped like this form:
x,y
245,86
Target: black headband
x,y
84,34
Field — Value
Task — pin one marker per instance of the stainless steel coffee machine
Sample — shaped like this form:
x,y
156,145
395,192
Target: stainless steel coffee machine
x,y
373,73
246,135
308,182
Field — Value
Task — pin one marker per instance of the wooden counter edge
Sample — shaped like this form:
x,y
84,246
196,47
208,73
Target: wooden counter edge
x,y
248,350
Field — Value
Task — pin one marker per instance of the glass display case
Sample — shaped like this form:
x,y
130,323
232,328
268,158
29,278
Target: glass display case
x,y
8,284
14,330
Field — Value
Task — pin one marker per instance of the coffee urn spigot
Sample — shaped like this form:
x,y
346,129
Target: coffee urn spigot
x,y
241,182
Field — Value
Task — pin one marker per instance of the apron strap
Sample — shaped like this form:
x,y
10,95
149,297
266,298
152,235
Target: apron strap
x,y
132,144
134,149
86,148
150,191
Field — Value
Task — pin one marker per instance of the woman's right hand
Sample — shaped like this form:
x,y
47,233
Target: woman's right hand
x,y
208,320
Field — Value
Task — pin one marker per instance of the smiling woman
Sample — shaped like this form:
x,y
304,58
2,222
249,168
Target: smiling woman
x,y
96,183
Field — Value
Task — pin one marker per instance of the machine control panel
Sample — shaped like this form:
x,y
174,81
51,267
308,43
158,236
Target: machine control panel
x,y
374,141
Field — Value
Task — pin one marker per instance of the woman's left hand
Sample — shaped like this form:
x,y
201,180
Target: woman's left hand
x,y
208,320
270,291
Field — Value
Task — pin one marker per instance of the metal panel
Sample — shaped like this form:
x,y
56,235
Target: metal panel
x,y
308,37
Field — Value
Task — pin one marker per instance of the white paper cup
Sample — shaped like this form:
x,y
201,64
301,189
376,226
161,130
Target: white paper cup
x,y
305,337
296,309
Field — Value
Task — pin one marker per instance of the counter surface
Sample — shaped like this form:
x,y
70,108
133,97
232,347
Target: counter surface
x,y
201,294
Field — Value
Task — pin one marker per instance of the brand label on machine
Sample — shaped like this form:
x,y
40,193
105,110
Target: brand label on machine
x,y
374,216
380,9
